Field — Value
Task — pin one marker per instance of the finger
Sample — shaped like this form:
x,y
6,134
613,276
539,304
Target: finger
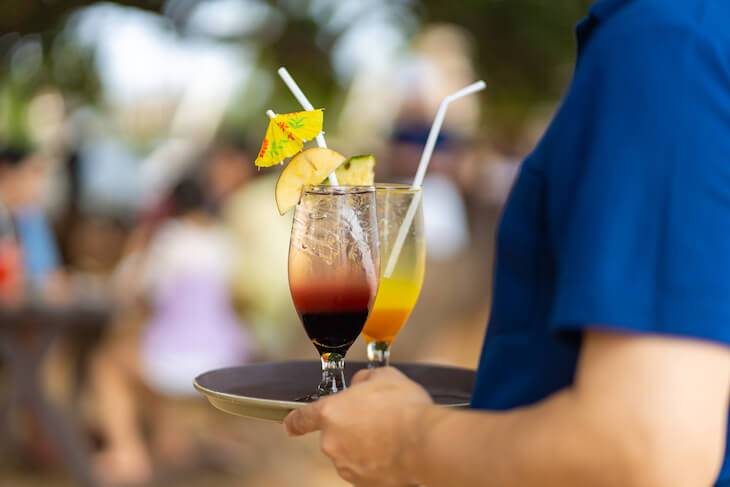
x,y
303,420
362,375
395,372
347,474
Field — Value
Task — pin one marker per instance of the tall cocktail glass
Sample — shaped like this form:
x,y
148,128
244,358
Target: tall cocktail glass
x,y
334,265
398,293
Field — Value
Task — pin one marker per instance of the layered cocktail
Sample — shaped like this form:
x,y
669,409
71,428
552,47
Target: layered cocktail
x,y
334,266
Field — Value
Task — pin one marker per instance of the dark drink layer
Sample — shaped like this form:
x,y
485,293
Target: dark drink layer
x,y
334,332
333,315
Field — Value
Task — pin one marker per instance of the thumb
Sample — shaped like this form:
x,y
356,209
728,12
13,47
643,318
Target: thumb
x,y
362,375
303,420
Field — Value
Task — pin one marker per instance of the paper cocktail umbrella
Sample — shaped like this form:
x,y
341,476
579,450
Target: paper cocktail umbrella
x,y
287,134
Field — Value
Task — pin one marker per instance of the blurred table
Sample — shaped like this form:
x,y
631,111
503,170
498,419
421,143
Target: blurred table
x,y
27,332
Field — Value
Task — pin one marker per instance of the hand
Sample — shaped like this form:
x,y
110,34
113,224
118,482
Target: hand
x,y
368,429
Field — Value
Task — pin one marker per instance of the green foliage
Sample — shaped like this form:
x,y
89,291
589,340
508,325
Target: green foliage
x,y
524,49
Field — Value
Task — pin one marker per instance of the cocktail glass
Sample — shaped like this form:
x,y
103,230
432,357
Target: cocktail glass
x,y
334,266
398,293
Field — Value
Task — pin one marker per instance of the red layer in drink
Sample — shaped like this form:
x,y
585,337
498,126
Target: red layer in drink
x,y
314,297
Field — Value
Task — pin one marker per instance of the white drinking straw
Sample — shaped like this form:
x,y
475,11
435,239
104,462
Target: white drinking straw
x,y
421,172
299,95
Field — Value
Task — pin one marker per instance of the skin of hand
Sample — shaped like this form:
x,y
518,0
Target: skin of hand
x,y
644,410
366,429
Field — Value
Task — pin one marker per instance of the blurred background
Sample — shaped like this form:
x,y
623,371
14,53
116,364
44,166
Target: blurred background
x,y
139,246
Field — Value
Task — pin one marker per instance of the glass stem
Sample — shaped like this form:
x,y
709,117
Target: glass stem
x,y
378,354
333,374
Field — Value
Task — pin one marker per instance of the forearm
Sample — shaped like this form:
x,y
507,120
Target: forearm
x,y
642,411
556,442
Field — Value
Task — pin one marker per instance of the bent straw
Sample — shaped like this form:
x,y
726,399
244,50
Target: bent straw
x,y
421,172
299,95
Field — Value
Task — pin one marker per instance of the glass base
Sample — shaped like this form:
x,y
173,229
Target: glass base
x,y
378,354
308,398
333,377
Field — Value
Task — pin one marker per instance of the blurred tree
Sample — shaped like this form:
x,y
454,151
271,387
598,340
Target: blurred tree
x,y
34,16
523,48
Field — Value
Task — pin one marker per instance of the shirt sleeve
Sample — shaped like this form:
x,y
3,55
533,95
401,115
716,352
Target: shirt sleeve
x,y
644,244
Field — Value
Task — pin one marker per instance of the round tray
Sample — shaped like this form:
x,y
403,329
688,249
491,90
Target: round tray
x,y
269,390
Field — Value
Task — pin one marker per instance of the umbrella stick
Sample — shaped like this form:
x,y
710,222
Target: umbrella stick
x,y
299,95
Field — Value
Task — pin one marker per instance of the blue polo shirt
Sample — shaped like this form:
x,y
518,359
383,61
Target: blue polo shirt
x,y
621,216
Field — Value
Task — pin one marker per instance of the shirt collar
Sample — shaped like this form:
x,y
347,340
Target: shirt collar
x,y
599,11
605,8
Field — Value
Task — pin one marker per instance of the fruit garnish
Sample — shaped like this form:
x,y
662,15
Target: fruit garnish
x,y
357,171
311,166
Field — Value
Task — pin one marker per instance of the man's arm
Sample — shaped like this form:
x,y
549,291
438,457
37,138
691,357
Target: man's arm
x,y
644,410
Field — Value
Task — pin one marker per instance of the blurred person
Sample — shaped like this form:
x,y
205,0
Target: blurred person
x,y
260,276
23,177
487,175
439,60
442,62
455,262
11,258
227,167
223,169
439,63
260,284
446,226
606,359
187,273
191,328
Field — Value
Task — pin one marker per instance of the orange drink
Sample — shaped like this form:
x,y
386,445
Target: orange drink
x,y
393,305
397,293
